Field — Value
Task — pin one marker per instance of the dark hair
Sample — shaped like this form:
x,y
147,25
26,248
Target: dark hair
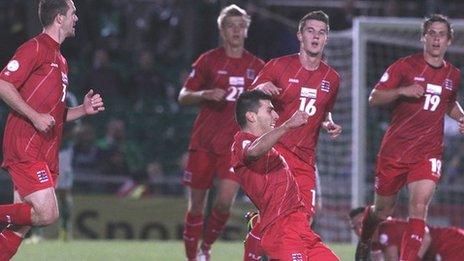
x,y
356,211
49,9
437,18
314,15
248,101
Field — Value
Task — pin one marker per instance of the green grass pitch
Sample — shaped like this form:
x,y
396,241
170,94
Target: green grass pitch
x,y
136,250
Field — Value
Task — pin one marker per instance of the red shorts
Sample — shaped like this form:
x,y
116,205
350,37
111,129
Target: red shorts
x,y
305,176
291,238
391,175
202,167
29,177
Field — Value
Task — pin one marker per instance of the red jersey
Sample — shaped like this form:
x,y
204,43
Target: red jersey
x,y
39,72
312,91
416,129
267,181
215,125
448,242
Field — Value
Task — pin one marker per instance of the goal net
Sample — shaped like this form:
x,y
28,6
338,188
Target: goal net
x,y
347,165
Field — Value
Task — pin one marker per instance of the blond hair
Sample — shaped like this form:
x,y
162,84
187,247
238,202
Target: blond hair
x,y
232,10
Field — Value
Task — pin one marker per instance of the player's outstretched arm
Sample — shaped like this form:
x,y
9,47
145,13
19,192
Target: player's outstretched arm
x,y
331,127
383,97
455,112
265,142
10,95
187,97
93,104
268,88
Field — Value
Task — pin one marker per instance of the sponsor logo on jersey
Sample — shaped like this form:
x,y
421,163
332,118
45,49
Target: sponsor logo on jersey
x,y
187,177
64,78
419,79
222,72
293,80
325,86
384,77
308,92
448,84
234,80
12,66
250,74
42,176
433,89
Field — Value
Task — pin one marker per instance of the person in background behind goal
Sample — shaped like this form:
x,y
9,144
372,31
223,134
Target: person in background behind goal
x,y
302,82
217,79
439,243
34,84
266,178
422,88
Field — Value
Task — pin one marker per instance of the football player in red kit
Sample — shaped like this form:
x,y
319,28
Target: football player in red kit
x,y
422,89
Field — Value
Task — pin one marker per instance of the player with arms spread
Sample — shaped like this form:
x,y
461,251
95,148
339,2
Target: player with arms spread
x,y
218,77
34,85
422,88
302,82
267,180
439,243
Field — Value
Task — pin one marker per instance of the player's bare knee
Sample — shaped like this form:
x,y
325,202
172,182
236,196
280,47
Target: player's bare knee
x,y
223,207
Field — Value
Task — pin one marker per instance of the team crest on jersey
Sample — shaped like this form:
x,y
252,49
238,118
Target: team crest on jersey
x,y
308,92
250,74
297,257
42,176
448,84
64,78
433,89
325,86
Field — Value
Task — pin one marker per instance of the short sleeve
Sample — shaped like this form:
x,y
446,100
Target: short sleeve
x,y
198,76
391,78
23,63
266,74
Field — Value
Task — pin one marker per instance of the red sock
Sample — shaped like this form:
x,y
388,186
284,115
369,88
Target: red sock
x,y
192,231
412,239
16,214
216,223
9,243
253,250
369,225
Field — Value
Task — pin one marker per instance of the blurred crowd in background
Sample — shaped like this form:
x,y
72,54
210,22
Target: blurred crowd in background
x,y
137,53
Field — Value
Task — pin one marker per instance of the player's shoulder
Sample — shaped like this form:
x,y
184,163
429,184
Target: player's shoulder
x,y
411,60
33,44
330,70
250,56
283,61
209,55
454,68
